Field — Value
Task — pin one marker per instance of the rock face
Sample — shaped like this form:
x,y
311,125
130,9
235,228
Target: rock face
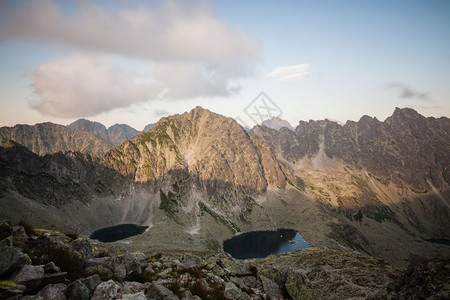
x,y
406,146
114,135
200,149
47,138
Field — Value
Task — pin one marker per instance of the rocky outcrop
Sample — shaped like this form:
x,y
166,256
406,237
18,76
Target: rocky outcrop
x,y
314,273
200,149
47,138
406,146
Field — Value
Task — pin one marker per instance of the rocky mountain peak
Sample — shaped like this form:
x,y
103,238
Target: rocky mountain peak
x,y
277,123
93,127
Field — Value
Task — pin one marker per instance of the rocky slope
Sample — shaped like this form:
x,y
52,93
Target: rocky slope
x,y
46,138
44,264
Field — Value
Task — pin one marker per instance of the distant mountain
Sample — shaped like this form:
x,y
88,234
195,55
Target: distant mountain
x,y
46,138
115,134
148,126
277,123
96,128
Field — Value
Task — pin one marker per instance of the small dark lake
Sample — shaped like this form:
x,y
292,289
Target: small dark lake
x,y
118,232
259,244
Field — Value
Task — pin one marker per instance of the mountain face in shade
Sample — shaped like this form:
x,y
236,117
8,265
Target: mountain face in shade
x,y
114,135
46,138
198,178
117,133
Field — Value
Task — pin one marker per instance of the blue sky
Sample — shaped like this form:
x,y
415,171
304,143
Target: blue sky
x,y
133,62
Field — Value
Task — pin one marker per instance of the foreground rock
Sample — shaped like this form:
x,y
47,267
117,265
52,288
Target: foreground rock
x,y
65,268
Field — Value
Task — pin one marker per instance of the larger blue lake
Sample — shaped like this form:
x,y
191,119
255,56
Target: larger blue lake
x,y
259,244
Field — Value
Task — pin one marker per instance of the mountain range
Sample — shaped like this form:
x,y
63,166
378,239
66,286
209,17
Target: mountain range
x,y
196,179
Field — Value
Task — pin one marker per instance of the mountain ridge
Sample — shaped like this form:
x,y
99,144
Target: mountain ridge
x,y
199,178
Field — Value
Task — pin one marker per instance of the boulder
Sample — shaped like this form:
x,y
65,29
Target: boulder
x,y
296,287
83,246
10,258
135,287
53,291
51,268
187,295
106,290
10,289
272,289
234,267
30,276
137,296
157,291
135,265
193,261
232,292
91,283
77,290
98,261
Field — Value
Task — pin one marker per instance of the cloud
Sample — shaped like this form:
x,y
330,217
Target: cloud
x,y
175,30
407,92
191,52
189,80
290,73
84,86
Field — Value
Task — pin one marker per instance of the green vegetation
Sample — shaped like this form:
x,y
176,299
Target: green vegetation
x,y
219,219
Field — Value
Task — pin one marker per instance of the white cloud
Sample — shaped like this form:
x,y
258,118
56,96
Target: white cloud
x,y
84,86
290,73
175,30
193,53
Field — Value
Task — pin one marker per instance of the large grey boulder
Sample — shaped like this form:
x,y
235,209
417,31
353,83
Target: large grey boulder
x,y
232,292
135,287
271,288
91,283
51,268
77,290
137,296
106,290
54,291
30,276
10,258
157,291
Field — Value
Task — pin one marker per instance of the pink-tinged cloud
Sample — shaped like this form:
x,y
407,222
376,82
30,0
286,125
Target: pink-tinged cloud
x,y
175,30
81,86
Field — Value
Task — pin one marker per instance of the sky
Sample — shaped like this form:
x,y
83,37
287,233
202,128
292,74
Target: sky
x,y
134,62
